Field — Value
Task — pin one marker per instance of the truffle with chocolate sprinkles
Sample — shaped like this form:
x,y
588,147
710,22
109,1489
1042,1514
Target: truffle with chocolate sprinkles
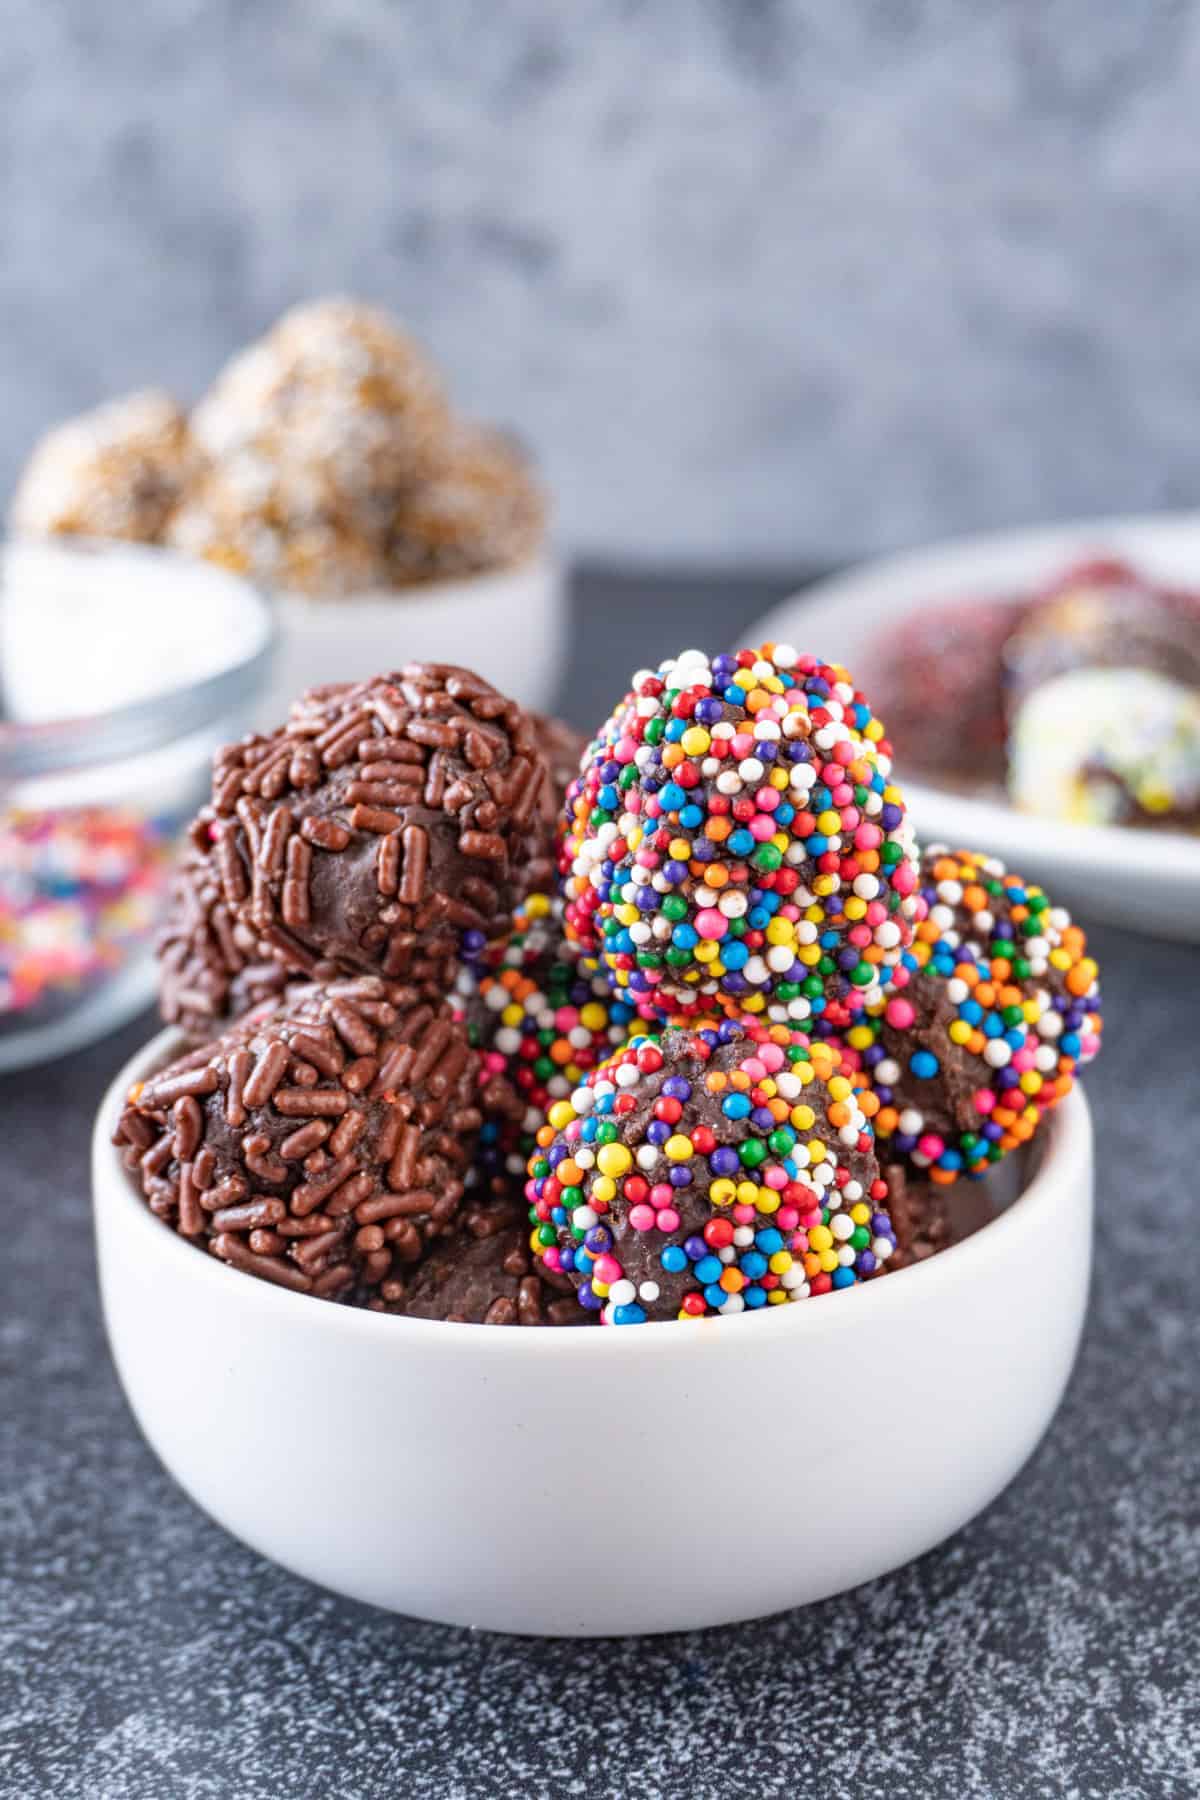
x,y
384,820
321,1146
562,749
486,1274
211,969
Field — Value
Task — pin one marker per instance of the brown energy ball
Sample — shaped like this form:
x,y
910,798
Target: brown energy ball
x,y
334,410
384,820
482,509
211,968
484,1274
258,529
116,472
322,1146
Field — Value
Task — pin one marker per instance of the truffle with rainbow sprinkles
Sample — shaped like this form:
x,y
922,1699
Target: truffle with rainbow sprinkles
x,y
738,860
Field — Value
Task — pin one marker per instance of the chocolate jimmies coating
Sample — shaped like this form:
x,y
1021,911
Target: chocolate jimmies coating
x,y
382,821
323,1145
211,969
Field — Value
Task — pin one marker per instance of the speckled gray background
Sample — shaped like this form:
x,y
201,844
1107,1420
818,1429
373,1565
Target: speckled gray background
x,y
786,278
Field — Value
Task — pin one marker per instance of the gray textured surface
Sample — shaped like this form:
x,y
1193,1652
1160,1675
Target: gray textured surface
x,y
1048,1650
773,278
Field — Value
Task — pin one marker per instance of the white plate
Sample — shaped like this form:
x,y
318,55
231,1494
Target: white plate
x,y
1149,881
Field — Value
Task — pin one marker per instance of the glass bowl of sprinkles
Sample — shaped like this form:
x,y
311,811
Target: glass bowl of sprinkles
x,y
122,668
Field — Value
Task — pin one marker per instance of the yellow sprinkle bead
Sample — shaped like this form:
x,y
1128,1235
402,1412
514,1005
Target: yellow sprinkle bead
x,y
613,1159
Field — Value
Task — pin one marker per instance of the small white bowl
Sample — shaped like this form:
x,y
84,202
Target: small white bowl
x,y
1147,880
509,624
587,1483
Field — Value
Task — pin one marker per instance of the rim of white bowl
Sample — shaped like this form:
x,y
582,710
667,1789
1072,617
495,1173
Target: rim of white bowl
x,y
547,560
1066,1140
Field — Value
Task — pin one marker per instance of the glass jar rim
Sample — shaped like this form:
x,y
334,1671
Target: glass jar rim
x,y
81,740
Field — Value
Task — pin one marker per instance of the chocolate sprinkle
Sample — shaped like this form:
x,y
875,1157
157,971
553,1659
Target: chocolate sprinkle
x,y
212,967
261,1145
380,822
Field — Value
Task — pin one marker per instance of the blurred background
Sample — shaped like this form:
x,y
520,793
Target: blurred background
x,y
764,281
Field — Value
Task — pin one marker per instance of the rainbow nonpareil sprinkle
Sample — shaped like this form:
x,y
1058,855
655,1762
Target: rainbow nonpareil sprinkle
x,y
542,1016
1000,1009
725,1167
734,841
80,889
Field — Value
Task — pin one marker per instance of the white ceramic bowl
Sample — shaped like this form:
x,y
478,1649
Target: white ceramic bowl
x,y
510,625
1148,881
587,1483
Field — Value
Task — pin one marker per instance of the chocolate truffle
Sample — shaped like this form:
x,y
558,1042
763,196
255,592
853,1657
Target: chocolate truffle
x,y
116,472
734,841
726,1166
485,1273
379,824
1103,684
542,1015
210,966
937,676
995,1009
322,1145
562,749
929,1217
